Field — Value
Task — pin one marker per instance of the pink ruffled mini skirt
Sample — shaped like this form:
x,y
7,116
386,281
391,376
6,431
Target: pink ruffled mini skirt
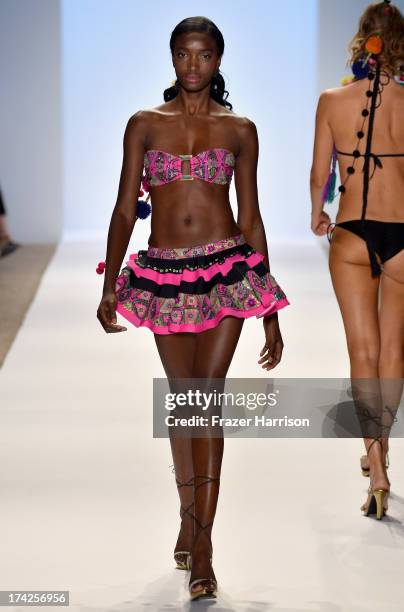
x,y
191,289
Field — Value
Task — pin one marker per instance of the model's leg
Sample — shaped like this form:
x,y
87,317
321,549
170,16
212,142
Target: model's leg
x,y
214,352
7,245
391,362
3,220
177,353
357,295
391,316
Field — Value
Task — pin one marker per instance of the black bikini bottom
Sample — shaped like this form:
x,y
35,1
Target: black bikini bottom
x,y
386,238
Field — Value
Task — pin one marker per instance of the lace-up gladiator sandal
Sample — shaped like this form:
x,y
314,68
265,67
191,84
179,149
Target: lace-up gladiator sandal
x,y
181,557
209,585
376,502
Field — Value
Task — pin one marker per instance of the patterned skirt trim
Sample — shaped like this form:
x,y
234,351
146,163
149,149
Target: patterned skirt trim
x,y
191,289
177,275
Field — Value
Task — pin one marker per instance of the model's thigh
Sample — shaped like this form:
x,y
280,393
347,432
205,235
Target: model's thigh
x,y
215,348
177,353
392,324
356,292
394,267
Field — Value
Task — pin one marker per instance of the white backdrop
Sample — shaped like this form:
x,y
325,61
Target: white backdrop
x,y
31,152
125,65
74,71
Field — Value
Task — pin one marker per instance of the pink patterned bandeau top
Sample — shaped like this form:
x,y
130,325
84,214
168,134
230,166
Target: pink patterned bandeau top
x,y
213,166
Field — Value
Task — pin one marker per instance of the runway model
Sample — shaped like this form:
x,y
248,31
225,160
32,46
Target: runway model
x,y
7,245
361,126
202,273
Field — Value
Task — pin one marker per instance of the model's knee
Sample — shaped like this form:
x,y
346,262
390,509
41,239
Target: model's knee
x,y
392,356
365,354
209,371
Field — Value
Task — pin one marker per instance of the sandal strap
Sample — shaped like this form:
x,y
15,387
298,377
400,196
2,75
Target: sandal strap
x,y
188,483
208,479
202,527
392,413
369,416
372,442
203,580
184,511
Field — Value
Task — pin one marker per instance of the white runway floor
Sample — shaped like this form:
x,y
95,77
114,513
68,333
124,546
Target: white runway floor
x,y
88,500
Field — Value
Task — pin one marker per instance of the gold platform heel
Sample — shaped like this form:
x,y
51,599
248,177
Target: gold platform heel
x,y
365,470
376,502
182,557
209,585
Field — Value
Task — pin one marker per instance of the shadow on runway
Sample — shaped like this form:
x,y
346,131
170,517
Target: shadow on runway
x,y
162,595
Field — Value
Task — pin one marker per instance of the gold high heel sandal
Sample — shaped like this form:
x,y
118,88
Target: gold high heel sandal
x,y
182,557
376,502
392,413
209,585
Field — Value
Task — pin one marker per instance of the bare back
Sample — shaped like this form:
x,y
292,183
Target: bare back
x,y
386,188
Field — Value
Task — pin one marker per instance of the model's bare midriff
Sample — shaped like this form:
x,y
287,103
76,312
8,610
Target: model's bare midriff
x,y
386,188
191,212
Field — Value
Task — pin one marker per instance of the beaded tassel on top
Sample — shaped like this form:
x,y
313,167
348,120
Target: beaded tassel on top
x,y
361,68
371,68
143,210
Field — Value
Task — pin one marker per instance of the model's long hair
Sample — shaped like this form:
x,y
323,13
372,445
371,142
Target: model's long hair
x,y
387,21
205,25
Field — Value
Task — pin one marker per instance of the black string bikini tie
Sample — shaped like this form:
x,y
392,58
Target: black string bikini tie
x,y
330,229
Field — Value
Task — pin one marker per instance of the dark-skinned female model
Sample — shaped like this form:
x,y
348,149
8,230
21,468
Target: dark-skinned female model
x,y
194,297
361,125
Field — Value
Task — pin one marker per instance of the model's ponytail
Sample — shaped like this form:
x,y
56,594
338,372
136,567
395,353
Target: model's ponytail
x,y
387,22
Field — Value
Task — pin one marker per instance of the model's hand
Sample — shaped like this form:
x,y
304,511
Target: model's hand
x,y
106,313
320,223
273,347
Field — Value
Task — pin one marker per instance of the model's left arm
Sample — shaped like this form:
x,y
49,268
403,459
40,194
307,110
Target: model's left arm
x,y
249,217
250,222
320,169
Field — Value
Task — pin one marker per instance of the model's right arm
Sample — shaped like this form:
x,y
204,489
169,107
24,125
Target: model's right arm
x,y
124,214
322,154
